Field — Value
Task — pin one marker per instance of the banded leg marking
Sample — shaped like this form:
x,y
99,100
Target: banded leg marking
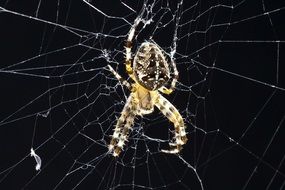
x,y
123,127
174,116
122,81
175,75
129,45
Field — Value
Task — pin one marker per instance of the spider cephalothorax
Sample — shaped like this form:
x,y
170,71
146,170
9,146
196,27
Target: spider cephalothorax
x,y
150,66
151,72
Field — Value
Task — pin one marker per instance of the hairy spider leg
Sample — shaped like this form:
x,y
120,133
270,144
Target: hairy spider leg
x,y
175,75
121,79
125,122
128,46
123,127
174,116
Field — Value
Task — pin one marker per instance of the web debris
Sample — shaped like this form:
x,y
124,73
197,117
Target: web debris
x,y
37,159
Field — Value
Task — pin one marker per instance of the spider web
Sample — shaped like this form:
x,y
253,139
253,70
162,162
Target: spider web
x,y
59,99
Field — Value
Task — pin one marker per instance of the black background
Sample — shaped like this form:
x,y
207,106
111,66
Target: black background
x,y
232,101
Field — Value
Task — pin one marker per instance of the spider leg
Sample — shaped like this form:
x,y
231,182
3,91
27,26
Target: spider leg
x,y
129,45
122,81
174,116
173,81
165,90
123,127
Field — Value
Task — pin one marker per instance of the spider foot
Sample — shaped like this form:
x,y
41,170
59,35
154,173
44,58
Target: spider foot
x,y
166,90
179,141
174,149
115,150
116,146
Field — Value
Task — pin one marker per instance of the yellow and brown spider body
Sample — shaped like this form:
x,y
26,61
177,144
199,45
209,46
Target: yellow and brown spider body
x,y
151,69
144,99
150,72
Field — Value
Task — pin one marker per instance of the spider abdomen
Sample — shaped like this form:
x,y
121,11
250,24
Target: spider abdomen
x,y
150,66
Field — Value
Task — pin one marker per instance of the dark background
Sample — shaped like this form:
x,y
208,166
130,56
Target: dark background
x,y
230,92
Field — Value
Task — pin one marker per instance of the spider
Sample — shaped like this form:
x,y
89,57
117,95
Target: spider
x,y
150,72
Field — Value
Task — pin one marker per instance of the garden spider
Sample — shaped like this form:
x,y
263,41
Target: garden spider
x,y
150,73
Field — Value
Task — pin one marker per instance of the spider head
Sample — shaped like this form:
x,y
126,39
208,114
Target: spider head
x,y
150,67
